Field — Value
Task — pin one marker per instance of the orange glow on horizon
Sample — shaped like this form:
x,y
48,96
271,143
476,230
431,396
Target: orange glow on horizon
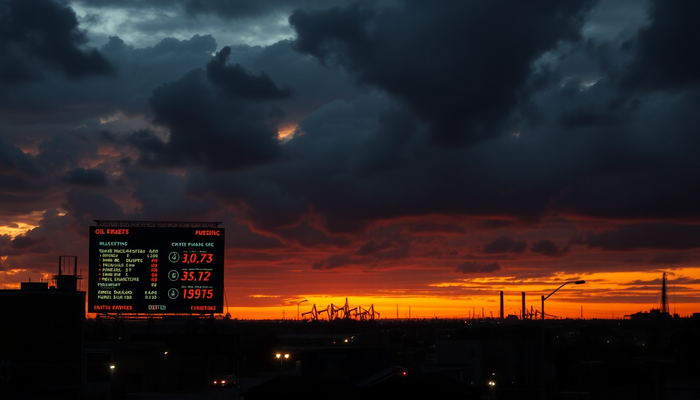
x,y
421,308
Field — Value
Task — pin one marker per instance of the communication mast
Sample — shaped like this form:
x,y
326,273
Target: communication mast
x,y
664,295
65,280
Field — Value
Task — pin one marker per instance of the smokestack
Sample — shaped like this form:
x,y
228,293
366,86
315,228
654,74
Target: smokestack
x,y
501,304
524,309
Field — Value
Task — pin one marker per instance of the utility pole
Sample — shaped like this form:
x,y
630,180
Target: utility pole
x,y
298,308
664,295
544,369
501,316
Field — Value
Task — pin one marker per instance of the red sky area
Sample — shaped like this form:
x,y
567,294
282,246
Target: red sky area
x,y
436,266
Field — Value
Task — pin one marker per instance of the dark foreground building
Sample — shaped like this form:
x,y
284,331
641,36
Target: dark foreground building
x,y
48,350
41,342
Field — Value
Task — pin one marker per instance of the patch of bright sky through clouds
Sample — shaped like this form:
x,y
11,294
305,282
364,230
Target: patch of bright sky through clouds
x,y
150,26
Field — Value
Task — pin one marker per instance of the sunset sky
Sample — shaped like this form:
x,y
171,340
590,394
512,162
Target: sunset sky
x,y
410,153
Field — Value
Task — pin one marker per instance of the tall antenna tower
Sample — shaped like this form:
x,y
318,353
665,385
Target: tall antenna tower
x,y
664,295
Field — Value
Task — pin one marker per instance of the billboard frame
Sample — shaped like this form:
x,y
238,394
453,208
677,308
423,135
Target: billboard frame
x,y
121,315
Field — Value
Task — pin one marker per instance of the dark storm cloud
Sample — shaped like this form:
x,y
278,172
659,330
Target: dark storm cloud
x,y
668,236
150,145
40,34
504,244
371,246
226,9
135,4
235,81
670,258
235,9
352,167
229,8
16,163
387,245
459,67
635,167
241,237
368,255
471,267
33,112
396,248
332,262
85,207
65,150
22,182
306,235
162,196
23,244
548,248
433,228
663,52
494,223
86,177
209,129
314,85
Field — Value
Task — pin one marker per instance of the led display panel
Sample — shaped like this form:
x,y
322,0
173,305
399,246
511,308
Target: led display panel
x,y
163,270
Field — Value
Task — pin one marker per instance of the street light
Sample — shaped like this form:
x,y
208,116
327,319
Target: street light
x,y
298,308
492,385
563,284
281,357
543,392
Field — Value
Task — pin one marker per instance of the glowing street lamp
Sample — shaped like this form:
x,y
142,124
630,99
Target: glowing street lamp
x,y
281,357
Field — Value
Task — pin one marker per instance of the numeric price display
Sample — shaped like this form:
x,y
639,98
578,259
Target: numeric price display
x,y
156,270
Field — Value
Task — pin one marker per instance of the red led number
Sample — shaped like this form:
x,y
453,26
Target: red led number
x,y
194,258
195,275
199,293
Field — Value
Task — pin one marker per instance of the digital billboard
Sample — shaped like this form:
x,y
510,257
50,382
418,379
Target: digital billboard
x,y
168,270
